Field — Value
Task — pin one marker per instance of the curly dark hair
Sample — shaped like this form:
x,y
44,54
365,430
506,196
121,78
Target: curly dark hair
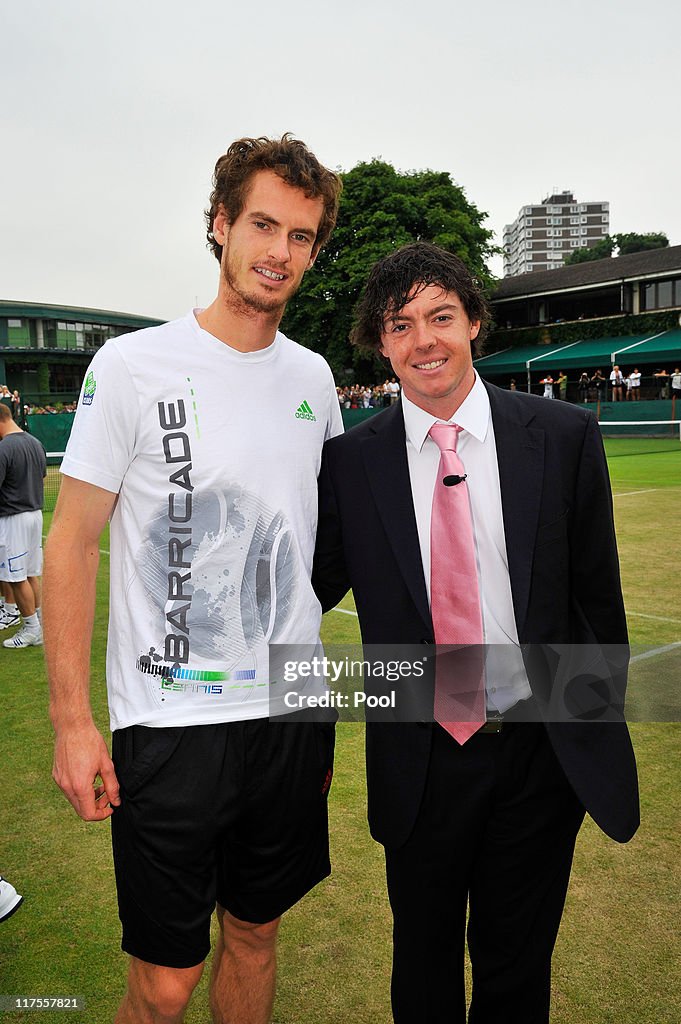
x,y
394,278
291,160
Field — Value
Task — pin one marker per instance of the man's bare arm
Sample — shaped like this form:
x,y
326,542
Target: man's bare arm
x,y
71,561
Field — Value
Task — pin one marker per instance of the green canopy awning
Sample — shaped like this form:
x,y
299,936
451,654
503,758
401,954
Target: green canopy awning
x,y
587,354
512,360
664,347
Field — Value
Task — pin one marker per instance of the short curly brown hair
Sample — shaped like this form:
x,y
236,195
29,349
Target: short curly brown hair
x,y
291,160
393,279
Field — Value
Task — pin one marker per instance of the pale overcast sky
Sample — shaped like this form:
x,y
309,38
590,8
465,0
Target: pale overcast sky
x,y
113,116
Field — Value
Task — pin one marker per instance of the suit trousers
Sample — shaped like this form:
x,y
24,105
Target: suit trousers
x,y
495,832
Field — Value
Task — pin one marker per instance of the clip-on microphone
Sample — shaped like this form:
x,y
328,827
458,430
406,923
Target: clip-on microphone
x,y
451,481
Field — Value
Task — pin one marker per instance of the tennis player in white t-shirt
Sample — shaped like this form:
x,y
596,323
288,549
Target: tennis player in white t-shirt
x,y
201,441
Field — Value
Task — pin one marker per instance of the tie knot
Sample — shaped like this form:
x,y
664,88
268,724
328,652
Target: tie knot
x,y
445,435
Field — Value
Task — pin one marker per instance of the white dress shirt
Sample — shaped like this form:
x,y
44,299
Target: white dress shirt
x,y
506,679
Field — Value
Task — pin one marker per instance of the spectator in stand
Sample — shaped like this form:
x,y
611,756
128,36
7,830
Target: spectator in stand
x,y
661,378
16,405
562,383
512,386
5,395
627,386
583,387
635,385
676,384
394,388
616,383
597,382
548,386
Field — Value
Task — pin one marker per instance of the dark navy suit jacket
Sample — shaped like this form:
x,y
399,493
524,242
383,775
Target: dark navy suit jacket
x,y
564,573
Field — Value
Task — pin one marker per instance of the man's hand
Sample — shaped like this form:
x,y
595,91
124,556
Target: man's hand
x,y
71,559
80,756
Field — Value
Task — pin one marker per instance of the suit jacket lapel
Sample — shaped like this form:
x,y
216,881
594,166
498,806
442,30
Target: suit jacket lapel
x,y
385,457
520,456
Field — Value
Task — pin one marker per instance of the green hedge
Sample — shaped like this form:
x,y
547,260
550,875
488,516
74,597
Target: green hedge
x,y
580,330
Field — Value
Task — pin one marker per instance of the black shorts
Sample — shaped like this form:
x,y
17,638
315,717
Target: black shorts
x,y
232,813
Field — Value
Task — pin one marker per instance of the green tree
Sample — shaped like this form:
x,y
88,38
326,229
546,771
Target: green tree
x,y
380,210
600,251
634,242
624,243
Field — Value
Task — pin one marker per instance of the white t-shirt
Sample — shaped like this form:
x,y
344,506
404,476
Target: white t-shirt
x,y
214,454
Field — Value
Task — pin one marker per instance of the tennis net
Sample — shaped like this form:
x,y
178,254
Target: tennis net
x,y
640,437
52,480
621,437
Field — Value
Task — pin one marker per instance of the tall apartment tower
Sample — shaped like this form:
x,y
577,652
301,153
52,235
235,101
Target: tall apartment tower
x,y
542,236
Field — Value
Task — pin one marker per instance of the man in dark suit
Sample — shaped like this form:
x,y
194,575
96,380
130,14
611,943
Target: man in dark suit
x,y
488,822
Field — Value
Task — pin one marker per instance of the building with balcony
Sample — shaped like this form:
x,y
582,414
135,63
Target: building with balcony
x,y
45,349
624,310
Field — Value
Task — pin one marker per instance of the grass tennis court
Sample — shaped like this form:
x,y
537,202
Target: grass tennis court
x,y
617,446
616,960
620,438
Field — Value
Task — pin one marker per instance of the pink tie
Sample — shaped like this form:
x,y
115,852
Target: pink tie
x,y
455,595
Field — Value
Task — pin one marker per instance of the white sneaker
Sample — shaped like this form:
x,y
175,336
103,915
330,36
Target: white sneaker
x,y
7,620
10,900
25,638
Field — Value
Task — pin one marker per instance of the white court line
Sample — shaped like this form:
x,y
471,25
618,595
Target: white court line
x,y
654,653
637,657
649,490
658,618
638,615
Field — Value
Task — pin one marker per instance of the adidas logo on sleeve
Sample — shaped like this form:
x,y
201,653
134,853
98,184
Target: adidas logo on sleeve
x,y
304,412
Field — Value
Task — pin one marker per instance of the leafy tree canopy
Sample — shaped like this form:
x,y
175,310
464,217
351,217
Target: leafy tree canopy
x,y
381,209
624,243
633,242
600,251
